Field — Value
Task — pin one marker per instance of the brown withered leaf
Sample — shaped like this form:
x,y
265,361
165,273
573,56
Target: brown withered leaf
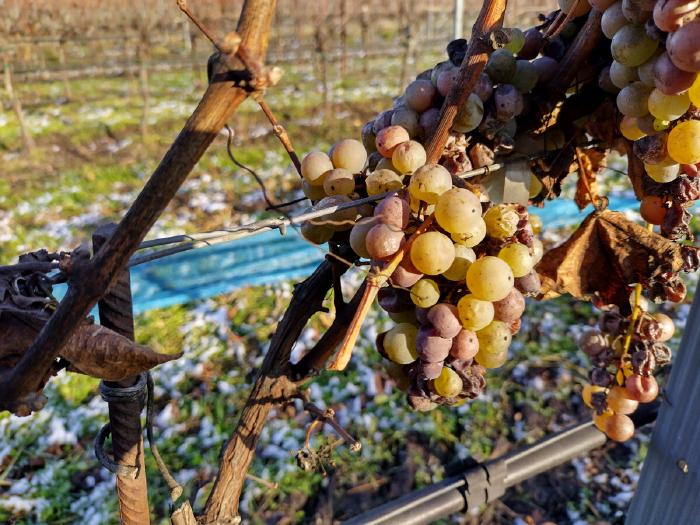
x,y
551,169
603,257
590,163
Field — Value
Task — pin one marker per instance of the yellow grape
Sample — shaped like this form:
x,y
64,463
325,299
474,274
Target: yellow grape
x,y
474,313
386,164
425,293
694,92
501,221
518,258
338,182
448,383
382,181
666,171
668,107
587,393
629,128
537,250
456,209
599,420
349,154
463,258
490,278
684,142
432,253
408,156
491,360
314,166
473,235
429,182
535,223
400,343
535,186
494,338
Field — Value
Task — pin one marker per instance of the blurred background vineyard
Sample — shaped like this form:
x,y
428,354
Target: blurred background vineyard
x,y
94,92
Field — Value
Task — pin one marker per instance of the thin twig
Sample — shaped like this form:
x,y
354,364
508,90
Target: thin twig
x,y
229,140
328,416
281,133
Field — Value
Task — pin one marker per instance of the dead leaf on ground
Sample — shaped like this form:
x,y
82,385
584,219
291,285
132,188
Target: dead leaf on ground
x,y
603,257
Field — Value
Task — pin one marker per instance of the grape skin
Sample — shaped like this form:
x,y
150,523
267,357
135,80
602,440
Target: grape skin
x,y
432,253
474,313
425,293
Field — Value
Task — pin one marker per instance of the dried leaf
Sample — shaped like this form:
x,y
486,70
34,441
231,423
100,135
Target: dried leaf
x,y
552,168
603,257
590,163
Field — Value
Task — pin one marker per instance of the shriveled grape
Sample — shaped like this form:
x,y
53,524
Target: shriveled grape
x,y
382,181
474,313
444,318
425,293
448,383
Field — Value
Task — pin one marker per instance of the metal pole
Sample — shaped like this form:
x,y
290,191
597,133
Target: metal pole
x,y
458,29
488,481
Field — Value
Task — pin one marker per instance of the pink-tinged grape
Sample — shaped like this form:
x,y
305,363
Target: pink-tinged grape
x,y
579,8
407,119
516,39
601,5
428,121
599,420
622,75
526,76
382,181
619,427
483,87
587,393
684,142
446,80
642,388
510,308
629,128
546,68
405,274
620,401
394,299
637,11
683,46
314,166
394,211
694,92
463,258
509,102
645,72
349,154
668,107
469,115
501,221
633,100
430,371
592,342
456,209
653,209
383,241
358,236
518,257
671,80
666,325
529,284
473,236
448,383
315,193
631,46
490,278
444,318
419,95
432,253
663,172
382,121
532,45
390,137
429,182
408,157
369,137
400,343
474,313
431,347
338,181
613,20
425,293
316,234
501,66
670,15
465,345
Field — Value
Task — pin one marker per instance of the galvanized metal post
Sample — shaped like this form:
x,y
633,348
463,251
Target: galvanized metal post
x,y
124,416
458,19
670,482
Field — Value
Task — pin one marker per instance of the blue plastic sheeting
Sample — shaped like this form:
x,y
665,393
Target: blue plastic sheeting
x,y
266,258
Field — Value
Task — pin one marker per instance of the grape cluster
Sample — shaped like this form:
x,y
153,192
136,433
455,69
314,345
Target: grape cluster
x,y
624,351
655,47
